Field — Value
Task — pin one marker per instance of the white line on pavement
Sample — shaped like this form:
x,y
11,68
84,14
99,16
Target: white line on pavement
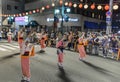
x,y
2,49
4,46
13,45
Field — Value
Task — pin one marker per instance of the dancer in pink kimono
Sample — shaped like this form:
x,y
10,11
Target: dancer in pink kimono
x,y
60,47
27,51
9,35
20,38
81,49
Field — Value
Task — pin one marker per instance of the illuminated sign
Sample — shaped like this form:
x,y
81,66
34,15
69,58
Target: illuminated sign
x,y
22,20
60,19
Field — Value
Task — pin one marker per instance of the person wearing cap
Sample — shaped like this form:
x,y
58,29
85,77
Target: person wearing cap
x,y
26,52
61,44
81,49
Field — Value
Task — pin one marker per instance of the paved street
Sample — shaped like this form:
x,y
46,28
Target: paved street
x,y
44,67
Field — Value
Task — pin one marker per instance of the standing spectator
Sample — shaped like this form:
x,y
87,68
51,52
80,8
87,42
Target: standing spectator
x,y
15,34
52,38
105,46
96,45
114,46
52,35
90,44
46,38
86,44
70,36
75,41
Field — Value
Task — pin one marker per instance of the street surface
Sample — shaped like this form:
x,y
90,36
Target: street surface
x,y
44,66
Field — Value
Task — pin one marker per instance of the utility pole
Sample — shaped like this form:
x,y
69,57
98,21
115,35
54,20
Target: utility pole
x,y
62,14
109,18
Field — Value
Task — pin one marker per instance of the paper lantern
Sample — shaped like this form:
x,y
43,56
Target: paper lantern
x,y
20,15
30,12
23,14
43,8
47,6
106,7
70,4
66,3
61,2
115,7
16,15
53,4
34,11
37,10
80,5
99,7
92,6
85,6
75,5
5,15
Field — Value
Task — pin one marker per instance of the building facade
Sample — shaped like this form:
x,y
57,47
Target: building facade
x,y
11,7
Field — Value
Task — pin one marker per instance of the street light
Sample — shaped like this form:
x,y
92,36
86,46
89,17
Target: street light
x,y
57,11
63,12
68,10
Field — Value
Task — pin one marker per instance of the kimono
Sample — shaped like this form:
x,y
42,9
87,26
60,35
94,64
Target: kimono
x,y
81,49
9,35
60,48
27,51
42,43
20,38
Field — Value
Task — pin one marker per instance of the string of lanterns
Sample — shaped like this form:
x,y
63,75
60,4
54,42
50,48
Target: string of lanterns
x,y
70,4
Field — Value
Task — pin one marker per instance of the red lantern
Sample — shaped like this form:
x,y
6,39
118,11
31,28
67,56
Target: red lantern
x,y
30,12
106,7
61,2
17,15
23,14
37,10
70,4
5,15
80,5
47,6
92,6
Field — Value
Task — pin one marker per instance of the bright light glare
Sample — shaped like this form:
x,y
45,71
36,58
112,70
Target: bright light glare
x,y
12,17
118,31
68,10
57,11
66,3
53,4
75,5
85,6
115,7
99,7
